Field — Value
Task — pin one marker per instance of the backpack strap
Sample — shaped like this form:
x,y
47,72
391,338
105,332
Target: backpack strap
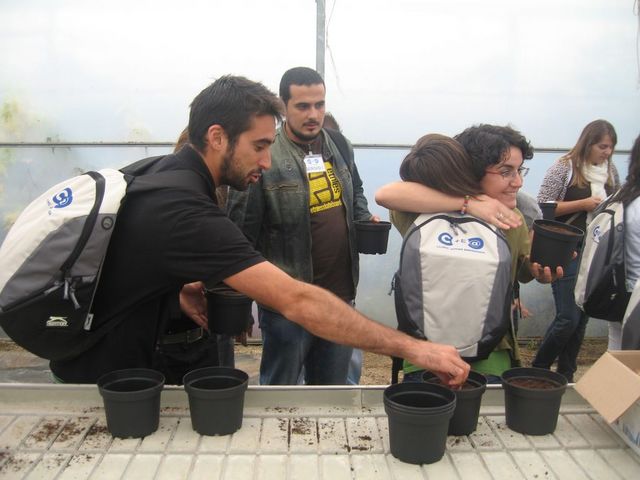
x,y
88,224
341,142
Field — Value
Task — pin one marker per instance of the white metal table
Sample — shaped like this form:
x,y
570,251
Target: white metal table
x,y
332,433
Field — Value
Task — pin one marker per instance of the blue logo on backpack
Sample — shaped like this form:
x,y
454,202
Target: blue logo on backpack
x,y
446,239
476,243
62,199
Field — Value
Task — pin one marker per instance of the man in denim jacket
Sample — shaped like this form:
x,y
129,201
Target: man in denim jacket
x,y
300,215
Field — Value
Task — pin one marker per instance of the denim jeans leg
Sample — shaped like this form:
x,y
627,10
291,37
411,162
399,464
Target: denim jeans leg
x,y
355,367
327,363
564,330
284,348
568,358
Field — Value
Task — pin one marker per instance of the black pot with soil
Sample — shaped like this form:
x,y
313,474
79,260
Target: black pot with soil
x,y
554,243
468,400
532,398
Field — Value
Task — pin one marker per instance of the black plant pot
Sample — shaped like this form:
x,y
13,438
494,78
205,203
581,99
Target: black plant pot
x,y
228,311
216,399
548,210
372,237
532,399
131,401
419,415
468,400
554,243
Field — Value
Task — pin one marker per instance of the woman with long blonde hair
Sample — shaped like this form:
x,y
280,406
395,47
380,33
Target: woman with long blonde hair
x,y
578,182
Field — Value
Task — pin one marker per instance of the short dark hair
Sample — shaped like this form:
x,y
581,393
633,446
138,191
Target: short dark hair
x,y
440,162
231,102
298,76
488,145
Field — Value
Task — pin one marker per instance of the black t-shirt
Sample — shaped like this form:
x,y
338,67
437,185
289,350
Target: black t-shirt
x,y
162,240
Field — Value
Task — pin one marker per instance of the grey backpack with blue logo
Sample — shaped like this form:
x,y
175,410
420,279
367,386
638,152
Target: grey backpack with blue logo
x,y
50,263
600,289
50,260
454,285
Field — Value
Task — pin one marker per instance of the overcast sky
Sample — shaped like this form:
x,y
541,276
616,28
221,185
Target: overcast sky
x,y
84,70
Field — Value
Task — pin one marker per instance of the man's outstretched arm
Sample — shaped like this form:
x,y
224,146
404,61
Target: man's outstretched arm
x,y
325,315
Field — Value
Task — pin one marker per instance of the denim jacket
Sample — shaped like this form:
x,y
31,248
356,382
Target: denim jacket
x,y
274,213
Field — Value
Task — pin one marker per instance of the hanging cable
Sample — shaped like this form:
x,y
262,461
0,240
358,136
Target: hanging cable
x,y
636,11
333,63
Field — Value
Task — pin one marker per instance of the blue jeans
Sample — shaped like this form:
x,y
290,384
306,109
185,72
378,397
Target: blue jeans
x,y
355,367
563,338
287,348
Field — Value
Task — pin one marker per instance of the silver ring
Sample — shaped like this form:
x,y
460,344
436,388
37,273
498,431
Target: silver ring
x,y
500,216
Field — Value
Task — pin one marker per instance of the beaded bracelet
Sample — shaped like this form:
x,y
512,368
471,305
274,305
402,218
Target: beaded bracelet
x,y
465,205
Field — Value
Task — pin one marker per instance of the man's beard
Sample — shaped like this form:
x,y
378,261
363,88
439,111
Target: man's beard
x,y
230,175
302,136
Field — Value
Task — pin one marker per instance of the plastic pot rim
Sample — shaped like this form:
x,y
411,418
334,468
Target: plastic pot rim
x,y
574,237
127,374
519,372
369,225
215,372
476,378
424,388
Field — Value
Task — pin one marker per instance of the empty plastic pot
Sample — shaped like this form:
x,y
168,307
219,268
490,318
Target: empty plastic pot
x,y
229,311
216,399
131,401
419,415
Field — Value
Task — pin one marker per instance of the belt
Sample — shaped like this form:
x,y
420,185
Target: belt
x,y
188,336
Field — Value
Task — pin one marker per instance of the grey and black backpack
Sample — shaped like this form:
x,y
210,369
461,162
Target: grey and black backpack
x,y
454,284
600,289
51,259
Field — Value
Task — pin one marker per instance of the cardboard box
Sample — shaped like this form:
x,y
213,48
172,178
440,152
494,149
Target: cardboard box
x,y
612,387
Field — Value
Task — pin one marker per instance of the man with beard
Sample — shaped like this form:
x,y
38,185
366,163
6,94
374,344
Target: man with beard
x,y
169,243
300,216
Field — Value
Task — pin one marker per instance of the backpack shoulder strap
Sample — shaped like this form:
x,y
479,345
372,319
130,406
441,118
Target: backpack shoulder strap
x,y
341,142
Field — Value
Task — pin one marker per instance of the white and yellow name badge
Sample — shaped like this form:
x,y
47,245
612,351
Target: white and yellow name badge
x,y
314,163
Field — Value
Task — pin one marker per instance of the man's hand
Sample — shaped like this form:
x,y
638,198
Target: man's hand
x,y
443,360
194,304
494,212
